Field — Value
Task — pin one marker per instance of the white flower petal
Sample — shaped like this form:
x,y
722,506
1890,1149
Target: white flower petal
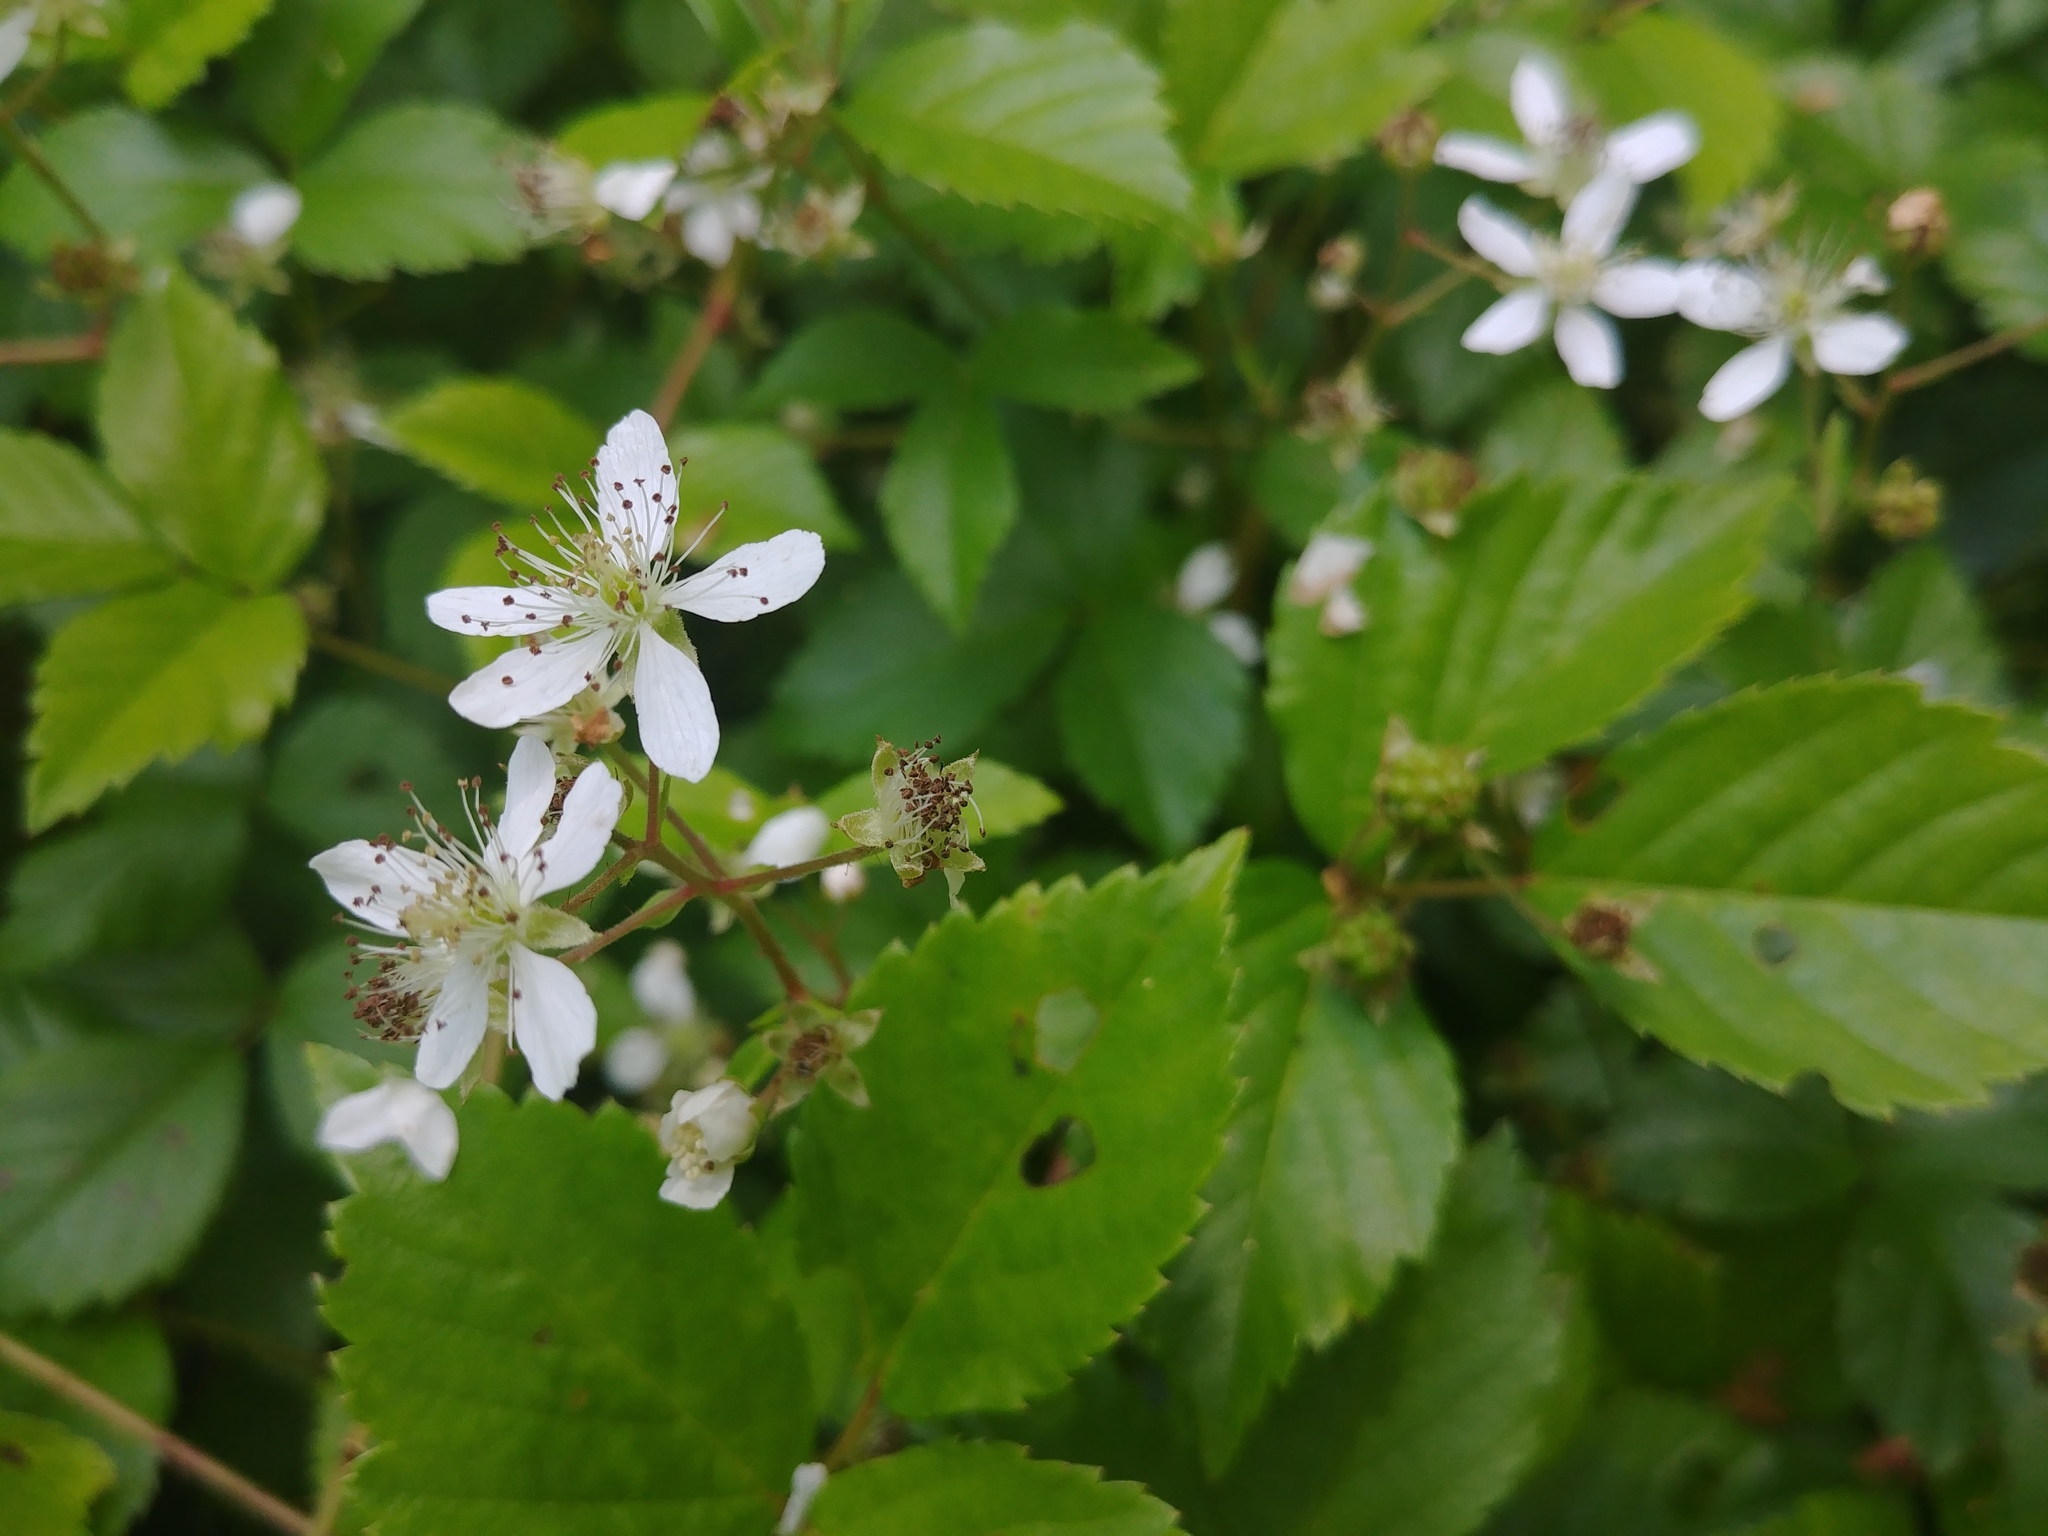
x,y
374,882
753,579
1591,349
636,486
554,1022
1865,276
631,188
582,833
1636,290
804,1484
1747,379
398,1109
529,791
1721,297
455,1027
1651,146
635,1060
1343,614
661,984
1484,156
1858,343
1238,635
497,610
1502,240
678,722
722,1113
788,837
15,30
1330,561
1510,323
1593,221
699,1194
532,678
1542,105
264,214
707,236
1206,577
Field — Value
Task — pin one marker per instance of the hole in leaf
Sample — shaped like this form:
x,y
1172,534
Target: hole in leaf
x,y
1067,1022
1064,1152
1774,943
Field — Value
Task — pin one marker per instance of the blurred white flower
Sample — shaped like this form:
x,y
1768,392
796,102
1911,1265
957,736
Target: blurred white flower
x,y
1206,578
632,188
16,27
804,1484
843,883
788,837
1576,276
397,1109
716,195
1799,311
471,922
1565,153
661,984
611,590
635,1060
263,215
1323,576
1238,635
704,1134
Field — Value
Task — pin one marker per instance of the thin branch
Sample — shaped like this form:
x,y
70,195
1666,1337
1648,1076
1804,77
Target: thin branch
x,y
32,152
1458,259
370,659
181,1454
26,98
1963,357
83,348
640,919
1437,890
625,862
1397,315
718,305
848,1445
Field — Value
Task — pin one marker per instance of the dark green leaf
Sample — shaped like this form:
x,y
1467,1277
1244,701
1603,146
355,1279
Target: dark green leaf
x,y
982,1490
339,765
1919,618
65,531
949,501
1997,192
858,360
1076,360
304,61
764,479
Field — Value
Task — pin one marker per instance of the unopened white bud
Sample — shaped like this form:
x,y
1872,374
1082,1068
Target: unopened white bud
x,y
634,1062
843,883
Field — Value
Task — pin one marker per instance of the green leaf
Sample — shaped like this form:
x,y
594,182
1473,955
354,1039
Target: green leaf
x,y
880,663
65,531
1841,1512
154,678
1551,612
653,128
115,1152
765,480
858,360
986,1489
1078,360
1832,877
1335,1162
542,1335
125,1356
949,500
1920,618
1658,1300
49,1477
205,434
1461,1362
1928,1305
172,40
159,186
501,437
305,60
1153,717
419,187
336,769
1997,193
1323,77
980,1288
1066,121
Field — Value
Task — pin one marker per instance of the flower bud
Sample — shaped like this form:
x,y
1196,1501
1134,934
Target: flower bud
x,y
843,883
1430,484
1424,789
1408,142
1918,222
1372,945
1905,506
1337,266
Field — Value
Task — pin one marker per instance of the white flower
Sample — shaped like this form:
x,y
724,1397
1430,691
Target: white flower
x,y
715,196
843,883
397,1109
1799,311
635,1060
804,1484
1237,635
15,30
661,984
1565,153
611,591
704,1134
1323,575
471,921
264,214
1577,275
788,837
1207,577
631,188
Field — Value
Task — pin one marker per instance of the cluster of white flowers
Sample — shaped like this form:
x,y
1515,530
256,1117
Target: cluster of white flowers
x,y
1797,307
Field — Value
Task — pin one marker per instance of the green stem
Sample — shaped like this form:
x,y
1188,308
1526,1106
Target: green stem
x,y
1941,367
370,659
32,152
718,306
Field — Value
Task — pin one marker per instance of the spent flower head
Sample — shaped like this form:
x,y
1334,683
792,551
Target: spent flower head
x,y
920,814
1905,505
815,1044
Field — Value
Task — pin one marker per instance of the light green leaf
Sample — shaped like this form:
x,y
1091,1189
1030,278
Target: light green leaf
x,y
161,187
1841,1512
124,1355
1066,121
172,40
1552,611
1554,430
858,360
116,1152
202,429
1997,193
949,500
1334,1165
65,531
986,1489
1323,77
1153,717
653,128
419,187
1462,1361
501,437
49,1477
1078,360
765,480
542,1334
1831,877
154,678
303,64
1920,618
981,1289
